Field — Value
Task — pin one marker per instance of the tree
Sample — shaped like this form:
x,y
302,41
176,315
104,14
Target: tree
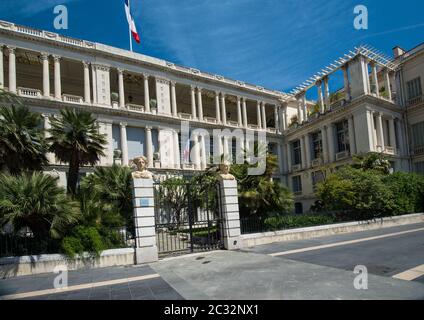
x,y
22,146
35,201
106,197
409,191
172,197
372,161
360,194
75,139
259,194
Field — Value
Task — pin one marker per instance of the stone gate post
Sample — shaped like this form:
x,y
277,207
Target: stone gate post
x,y
230,214
146,249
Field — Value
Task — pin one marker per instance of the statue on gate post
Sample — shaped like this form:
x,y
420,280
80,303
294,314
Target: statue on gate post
x,y
141,172
224,171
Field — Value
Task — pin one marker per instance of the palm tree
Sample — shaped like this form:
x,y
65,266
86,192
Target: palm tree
x,y
372,161
37,202
22,145
75,139
110,190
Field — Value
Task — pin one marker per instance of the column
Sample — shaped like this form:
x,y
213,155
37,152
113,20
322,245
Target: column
x,y
50,156
258,114
276,118
12,69
217,108
352,141
263,116
303,152
239,116
146,93
1,68
200,103
46,75
286,120
392,133
331,143
193,103
299,110
174,100
203,153
86,82
196,152
224,109
320,97
177,152
124,143
380,134
326,92
346,82
280,158
387,84
226,149
324,144
57,80
121,88
245,113
373,130
308,151
149,146
305,107
375,79
288,153
94,79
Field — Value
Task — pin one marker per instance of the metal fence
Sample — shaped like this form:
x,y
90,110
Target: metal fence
x,y
14,245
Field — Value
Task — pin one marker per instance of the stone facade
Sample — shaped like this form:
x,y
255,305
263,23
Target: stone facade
x,y
140,102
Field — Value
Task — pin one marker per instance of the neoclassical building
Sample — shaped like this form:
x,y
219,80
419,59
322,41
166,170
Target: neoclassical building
x,y
140,103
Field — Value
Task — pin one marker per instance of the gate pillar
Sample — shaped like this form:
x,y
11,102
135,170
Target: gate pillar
x,y
146,249
230,214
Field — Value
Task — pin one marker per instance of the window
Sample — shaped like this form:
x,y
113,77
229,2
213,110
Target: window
x,y
317,177
234,150
342,134
317,145
298,208
419,167
414,88
297,184
211,147
296,152
418,134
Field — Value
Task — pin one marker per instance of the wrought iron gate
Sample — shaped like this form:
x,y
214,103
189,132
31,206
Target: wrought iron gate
x,y
187,217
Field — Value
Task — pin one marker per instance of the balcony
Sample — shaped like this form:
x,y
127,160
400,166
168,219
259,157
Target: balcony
x,y
210,120
390,150
135,107
418,150
415,101
342,155
72,99
316,162
296,167
30,93
184,116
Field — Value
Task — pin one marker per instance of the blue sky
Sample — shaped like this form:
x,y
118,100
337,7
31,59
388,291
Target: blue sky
x,y
273,43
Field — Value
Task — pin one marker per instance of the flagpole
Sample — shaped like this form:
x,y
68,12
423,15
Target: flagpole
x,y
129,27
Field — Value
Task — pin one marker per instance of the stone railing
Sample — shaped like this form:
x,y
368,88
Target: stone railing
x,y
390,150
342,155
415,101
419,150
254,127
296,167
185,116
316,162
232,123
72,99
135,107
209,120
29,92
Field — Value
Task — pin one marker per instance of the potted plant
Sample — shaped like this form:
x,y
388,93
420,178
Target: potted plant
x,y
114,97
153,106
156,159
294,122
117,156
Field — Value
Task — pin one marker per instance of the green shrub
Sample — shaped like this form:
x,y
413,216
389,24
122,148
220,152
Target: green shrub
x,y
83,239
297,221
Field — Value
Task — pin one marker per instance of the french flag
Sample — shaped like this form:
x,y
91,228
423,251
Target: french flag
x,y
131,22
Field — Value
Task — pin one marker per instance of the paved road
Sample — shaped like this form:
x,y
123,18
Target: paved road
x,y
389,252
319,268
